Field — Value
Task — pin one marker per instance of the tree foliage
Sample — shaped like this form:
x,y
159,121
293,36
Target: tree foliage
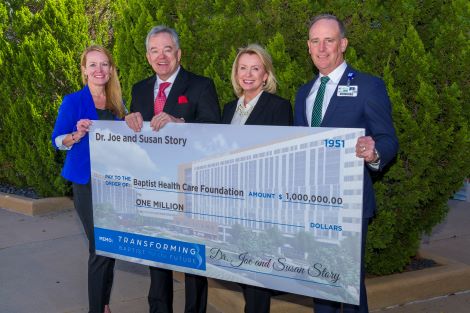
x,y
44,40
44,47
420,48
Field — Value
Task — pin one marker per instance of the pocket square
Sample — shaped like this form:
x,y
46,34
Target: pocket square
x,y
182,99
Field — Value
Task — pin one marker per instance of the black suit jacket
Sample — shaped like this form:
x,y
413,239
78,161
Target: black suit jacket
x,y
269,110
202,103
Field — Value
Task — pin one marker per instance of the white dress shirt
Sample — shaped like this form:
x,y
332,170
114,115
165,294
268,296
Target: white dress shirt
x,y
331,85
170,80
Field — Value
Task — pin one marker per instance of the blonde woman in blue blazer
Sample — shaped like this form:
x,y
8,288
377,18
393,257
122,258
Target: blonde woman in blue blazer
x,y
100,99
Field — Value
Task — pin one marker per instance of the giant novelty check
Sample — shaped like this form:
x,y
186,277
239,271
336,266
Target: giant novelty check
x,y
277,207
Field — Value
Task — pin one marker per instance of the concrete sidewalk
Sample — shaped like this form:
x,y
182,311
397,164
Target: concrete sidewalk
x,y
449,240
43,269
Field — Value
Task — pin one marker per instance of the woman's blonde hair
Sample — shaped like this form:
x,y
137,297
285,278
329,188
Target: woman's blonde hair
x,y
114,101
270,84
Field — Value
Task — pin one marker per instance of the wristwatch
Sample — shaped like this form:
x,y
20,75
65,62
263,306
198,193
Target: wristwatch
x,y
376,156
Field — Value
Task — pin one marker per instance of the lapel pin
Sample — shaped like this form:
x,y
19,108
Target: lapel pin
x,y
350,77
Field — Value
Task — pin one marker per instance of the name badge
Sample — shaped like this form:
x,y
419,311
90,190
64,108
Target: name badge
x,y
347,91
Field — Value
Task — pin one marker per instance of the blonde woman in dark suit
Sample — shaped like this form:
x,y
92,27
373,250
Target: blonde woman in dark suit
x,y
254,84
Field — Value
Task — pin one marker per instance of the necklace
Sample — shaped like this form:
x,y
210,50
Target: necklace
x,y
243,111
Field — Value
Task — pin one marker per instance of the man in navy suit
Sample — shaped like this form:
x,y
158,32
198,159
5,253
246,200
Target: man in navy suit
x,y
187,98
349,99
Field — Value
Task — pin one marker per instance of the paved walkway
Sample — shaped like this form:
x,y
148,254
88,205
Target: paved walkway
x,y
43,267
450,239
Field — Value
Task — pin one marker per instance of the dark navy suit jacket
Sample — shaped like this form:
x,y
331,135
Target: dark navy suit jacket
x,y
370,109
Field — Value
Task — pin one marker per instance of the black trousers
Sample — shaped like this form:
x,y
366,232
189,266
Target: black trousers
x,y
100,268
257,299
160,296
326,306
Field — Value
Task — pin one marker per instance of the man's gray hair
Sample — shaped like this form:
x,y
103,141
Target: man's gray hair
x,y
162,29
342,29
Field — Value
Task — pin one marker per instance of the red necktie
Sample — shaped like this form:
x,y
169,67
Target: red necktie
x,y
161,98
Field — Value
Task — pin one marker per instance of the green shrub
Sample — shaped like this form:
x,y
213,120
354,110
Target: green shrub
x,y
40,63
421,49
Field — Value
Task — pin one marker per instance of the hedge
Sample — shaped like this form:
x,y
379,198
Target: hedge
x,y
420,48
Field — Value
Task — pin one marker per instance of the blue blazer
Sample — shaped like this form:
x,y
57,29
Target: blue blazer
x,y
371,110
76,106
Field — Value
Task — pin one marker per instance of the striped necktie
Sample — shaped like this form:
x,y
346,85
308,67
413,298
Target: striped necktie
x,y
318,104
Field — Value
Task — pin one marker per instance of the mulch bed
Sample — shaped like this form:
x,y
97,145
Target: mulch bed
x,y
416,263
419,263
25,192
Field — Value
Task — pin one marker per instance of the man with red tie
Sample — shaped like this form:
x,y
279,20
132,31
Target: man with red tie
x,y
173,95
